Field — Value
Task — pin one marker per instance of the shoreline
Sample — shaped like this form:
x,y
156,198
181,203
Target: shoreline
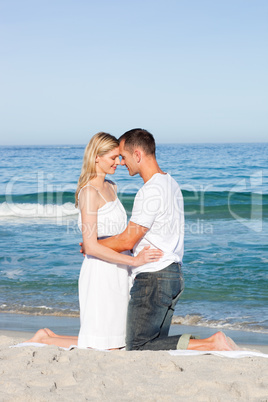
x,y
29,324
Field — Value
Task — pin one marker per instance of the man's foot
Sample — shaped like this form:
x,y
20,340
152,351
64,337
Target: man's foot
x,y
232,343
221,342
218,341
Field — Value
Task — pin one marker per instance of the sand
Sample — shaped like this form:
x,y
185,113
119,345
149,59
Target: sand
x,y
50,373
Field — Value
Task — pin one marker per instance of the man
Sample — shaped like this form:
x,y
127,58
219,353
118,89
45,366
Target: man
x,y
158,221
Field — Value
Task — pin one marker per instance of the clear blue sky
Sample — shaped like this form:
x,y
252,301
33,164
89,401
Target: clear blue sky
x,y
186,70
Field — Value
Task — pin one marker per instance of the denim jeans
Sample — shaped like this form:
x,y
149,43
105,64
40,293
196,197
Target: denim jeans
x,y
152,301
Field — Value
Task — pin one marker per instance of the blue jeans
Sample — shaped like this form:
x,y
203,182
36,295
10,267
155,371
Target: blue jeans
x,y
152,301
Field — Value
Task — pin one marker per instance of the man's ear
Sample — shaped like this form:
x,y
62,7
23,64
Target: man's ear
x,y
137,155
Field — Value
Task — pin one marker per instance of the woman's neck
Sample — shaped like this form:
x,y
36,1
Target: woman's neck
x,y
98,181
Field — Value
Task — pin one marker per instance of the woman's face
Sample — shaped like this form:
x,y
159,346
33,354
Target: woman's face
x,y
108,163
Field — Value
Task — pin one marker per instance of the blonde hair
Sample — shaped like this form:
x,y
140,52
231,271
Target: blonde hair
x,y
100,144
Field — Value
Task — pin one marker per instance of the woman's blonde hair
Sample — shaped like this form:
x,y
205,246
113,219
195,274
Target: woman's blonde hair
x,y
100,144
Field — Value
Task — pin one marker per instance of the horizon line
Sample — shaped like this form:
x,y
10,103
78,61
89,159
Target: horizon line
x,y
157,143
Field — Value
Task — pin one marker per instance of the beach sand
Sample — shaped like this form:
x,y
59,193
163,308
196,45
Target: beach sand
x,y
50,373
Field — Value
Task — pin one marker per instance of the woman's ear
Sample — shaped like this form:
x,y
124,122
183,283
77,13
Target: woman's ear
x,y
97,159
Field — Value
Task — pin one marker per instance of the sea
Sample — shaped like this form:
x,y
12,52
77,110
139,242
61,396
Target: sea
x,y
225,264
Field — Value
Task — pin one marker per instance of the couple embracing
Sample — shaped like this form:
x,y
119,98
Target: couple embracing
x,y
111,317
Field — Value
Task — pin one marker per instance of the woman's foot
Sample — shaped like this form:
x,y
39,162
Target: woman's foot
x,y
39,337
50,333
48,337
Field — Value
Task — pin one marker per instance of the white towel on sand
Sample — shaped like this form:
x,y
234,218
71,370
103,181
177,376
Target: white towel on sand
x,y
38,345
235,354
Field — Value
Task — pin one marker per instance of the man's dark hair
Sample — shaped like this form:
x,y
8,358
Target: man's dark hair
x,y
139,138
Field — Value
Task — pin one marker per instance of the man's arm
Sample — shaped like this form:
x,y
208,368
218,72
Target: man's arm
x,y
125,240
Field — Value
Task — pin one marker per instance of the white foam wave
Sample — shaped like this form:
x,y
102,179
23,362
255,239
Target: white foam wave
x,y
27,210
198,320
38,310
13,273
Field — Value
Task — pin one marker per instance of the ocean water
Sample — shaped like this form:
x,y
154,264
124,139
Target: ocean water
x,y
225,188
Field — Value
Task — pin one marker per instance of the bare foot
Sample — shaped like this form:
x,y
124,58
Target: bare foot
x,y
50,333
39,336
233,344
218,341
222,343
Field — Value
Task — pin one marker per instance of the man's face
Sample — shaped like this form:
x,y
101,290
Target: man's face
x,y
128,159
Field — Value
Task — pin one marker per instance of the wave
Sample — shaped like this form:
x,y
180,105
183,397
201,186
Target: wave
x,y
192,197
50,211
216,205
198,320
39,311
56,197
197,205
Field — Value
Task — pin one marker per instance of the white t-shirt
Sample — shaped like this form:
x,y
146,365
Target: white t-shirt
x,y
158,206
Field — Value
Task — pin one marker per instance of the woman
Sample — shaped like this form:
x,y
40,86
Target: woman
x,y
103,281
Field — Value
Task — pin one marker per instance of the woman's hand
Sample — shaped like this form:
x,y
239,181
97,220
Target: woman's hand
x,y
147,254
82,251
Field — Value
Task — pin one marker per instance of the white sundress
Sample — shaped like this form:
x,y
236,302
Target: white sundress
x,y
104,288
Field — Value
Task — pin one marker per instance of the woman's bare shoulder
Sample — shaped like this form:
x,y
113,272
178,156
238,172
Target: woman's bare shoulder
x,y
87,194
111,183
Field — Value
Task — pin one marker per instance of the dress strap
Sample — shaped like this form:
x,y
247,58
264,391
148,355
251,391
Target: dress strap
x,y
90,185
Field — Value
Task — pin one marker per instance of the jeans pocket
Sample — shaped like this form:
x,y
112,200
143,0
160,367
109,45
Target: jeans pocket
x,y
168,290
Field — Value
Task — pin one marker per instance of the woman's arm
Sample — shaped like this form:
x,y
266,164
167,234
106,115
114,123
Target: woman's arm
x,y
89,203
